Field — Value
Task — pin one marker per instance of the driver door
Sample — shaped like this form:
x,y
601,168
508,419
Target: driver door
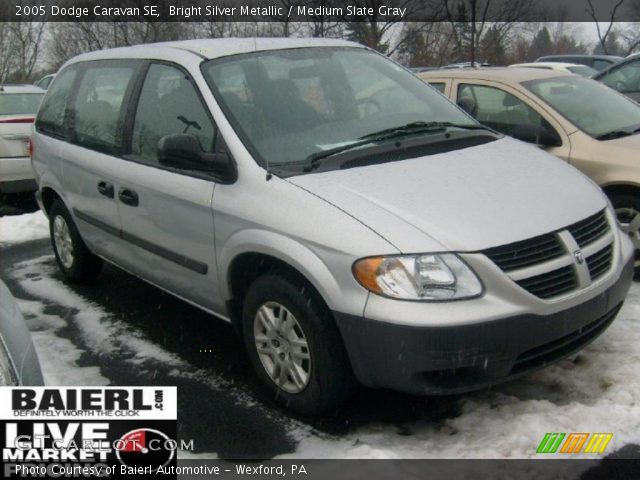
x,y
166,214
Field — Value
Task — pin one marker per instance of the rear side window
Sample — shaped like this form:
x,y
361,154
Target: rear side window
x,y
438,86
44,83
99,100
52,112
19,103
169,104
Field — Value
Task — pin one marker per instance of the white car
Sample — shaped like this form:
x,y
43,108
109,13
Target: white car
x,y
582,70
18,107
45,81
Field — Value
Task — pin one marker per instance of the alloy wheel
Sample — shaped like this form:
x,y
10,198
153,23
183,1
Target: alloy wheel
x,y
282,347
63,241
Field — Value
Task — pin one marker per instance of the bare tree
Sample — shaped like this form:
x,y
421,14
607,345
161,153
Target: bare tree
x,y
426,44
6,52
376,31
24,39
470,20
603,35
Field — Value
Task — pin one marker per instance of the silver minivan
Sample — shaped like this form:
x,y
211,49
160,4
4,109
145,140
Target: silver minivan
x,y
346,218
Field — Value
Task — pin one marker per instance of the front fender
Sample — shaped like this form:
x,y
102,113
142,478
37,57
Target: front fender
x,y
337,287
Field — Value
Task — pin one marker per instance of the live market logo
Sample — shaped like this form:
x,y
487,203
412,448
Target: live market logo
x,y
83,431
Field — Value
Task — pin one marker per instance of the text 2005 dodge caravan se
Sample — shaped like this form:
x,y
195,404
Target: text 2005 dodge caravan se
x,y
346,217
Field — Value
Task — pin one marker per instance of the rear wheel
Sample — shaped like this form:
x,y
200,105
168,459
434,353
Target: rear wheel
x,y
294,345
73,257
627,207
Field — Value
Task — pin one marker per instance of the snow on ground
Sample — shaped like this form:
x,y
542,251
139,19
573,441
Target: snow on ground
x,y
597,390
58,356
22,228
102,334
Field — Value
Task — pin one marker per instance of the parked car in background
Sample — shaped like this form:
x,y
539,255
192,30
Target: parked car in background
x,y
18,107
623,76
422,69
585,123
466,65
581,70
19,363
350,221
597,62
45,81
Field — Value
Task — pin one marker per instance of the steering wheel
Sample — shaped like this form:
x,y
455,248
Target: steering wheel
x,y
368,101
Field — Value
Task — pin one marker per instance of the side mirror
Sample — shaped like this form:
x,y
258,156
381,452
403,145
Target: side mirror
x,y
183,151
528,132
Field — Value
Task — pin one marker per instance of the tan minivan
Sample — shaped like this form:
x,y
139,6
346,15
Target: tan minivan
x,y
579,120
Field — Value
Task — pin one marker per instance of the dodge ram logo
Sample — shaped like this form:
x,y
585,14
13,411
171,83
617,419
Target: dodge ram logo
x,y
579,257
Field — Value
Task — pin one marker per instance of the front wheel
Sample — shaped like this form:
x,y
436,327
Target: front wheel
x,y
73,257
627,209
294,345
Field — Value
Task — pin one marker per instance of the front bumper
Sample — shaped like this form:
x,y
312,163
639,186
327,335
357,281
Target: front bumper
x,y
458,358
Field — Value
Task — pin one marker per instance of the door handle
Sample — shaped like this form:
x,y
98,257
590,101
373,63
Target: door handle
x,y
105,189
128,196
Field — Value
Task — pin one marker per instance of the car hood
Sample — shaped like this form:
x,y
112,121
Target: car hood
x,y
464,200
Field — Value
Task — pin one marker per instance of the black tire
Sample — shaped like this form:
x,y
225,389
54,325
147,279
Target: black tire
x,y
85,266
331,380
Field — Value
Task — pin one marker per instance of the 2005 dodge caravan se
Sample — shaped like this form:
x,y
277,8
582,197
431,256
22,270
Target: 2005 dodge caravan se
x,y
346,217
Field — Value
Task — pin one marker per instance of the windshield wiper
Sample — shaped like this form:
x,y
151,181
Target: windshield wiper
x,y
613,134
313,160
419,127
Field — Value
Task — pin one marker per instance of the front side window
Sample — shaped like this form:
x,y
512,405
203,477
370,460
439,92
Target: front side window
x,y
289,105
169,104
592,107
625,79
601,64
52,111
583,71
98,104
498,109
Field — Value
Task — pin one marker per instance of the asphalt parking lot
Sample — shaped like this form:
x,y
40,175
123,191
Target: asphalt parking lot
x,y
122,331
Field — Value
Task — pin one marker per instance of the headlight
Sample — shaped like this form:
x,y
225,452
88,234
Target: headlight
x,y
7,373
426,277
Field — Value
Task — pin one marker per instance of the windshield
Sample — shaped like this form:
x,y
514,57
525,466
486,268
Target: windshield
x,y
583,71
591,106
19,103
289,105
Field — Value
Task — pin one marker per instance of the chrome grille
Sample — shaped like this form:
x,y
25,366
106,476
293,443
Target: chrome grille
x,y
558,263
523,254
599,263
552,283
590,229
